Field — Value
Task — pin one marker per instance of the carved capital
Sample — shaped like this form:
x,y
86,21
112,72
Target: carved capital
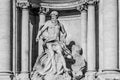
x,y
23,4
43,10
82,7
92,2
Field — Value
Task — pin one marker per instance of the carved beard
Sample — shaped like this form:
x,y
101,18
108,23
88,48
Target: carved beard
x,y
54,22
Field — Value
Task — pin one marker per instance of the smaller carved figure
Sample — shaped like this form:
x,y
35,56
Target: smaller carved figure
x,y
79,65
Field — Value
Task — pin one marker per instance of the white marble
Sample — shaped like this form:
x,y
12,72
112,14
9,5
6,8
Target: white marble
x,y
83,31
91,49
110,34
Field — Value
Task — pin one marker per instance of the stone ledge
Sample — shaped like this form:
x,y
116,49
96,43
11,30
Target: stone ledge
x,y
108,76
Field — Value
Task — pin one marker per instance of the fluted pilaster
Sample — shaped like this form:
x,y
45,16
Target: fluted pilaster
x,y
24,40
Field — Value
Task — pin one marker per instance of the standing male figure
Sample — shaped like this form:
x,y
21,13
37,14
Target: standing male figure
x,y
51,33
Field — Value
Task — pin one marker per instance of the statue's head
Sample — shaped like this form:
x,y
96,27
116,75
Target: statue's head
x,y
76,49
54,15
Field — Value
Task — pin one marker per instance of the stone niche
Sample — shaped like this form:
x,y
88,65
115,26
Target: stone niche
x,y
69,18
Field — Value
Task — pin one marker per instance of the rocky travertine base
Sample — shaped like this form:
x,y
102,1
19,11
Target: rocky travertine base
x,y
90,76
108,76
22,76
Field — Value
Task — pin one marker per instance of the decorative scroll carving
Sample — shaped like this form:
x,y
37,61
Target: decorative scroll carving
x,y
92,2
82,7
43,10
22,4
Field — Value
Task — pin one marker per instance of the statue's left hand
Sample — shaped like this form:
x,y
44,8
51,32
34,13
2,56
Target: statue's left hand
x,y
37,39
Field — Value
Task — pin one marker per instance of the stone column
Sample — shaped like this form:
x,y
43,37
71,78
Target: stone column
x,y
14,41
101,49
110,35
119,31
30,54
84,30
5,28
24,41
91,49
42,19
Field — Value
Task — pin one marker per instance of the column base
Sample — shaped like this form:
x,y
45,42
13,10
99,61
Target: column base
x,y
108,75
22,76
90,76
6,76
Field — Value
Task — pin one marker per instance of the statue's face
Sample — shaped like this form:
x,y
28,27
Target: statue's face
x,y
75,50
53,17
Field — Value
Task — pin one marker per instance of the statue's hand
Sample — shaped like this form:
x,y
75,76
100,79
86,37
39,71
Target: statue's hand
x,y
37,39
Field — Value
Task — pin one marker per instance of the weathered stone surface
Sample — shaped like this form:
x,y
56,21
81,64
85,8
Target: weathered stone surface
x,y
108,76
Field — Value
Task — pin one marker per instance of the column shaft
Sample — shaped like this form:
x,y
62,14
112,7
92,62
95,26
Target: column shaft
x,y
110,34
25,41
84,32
5,35
31,38
14,47
5,52
41,23
91,52
101,49
119,32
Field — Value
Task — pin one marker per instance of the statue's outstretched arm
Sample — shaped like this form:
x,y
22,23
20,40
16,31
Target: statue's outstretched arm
x,y
41,31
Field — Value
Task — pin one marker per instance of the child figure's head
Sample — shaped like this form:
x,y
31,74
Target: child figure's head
x,y
76,49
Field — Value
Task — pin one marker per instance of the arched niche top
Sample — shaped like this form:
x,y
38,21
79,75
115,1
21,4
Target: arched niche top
x,y
62,5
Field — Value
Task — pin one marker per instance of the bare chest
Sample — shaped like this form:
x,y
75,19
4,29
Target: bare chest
x,y
53,28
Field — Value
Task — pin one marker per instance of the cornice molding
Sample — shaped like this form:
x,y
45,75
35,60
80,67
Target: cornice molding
x,y
63,5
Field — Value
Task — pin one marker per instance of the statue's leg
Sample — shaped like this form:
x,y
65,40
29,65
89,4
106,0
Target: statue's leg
x,y
50,58
59,51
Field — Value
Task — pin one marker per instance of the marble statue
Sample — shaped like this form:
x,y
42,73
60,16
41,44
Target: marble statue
x,y
52,62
